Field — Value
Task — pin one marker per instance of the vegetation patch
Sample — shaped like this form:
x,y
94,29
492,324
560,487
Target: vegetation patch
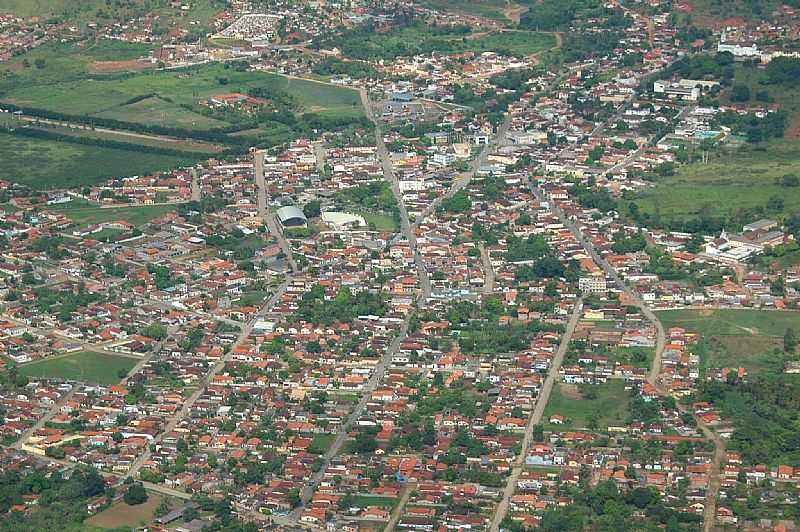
x,y
592,406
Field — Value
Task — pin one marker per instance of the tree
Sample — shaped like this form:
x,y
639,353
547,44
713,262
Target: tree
x,y
312,209
740,93
789,341
136,494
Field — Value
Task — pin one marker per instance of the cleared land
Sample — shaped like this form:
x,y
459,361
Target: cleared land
x,y
86,366
47,164
736,338
87,213
482,8
608,407
732,181
122,515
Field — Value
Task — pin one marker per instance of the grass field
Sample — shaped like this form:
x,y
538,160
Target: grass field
x,y
383,222
87,213
85,366
609,408
363,501
734,180
735,338
121,515
47,164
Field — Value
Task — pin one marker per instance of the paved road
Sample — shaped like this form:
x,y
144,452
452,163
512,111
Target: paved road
x,y
45,418
196,196
394,518
536,416
406,228
488,270
341,434
247,328
274,228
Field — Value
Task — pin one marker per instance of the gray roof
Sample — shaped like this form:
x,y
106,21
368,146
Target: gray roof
x,y
289,212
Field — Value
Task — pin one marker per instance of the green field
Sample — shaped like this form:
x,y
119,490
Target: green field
x,y
482,8
610,407
86,366
756,79
47,164
729,182
87,213
736,338
62,85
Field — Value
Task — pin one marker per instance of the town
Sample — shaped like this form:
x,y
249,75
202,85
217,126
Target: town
x,y
401,265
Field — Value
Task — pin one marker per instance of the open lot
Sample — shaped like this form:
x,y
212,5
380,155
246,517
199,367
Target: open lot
x,y
85,366
744,179
47,164
735,338
87,213
121,515
608,407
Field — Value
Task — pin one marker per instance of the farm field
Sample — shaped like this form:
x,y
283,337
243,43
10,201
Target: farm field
x,y
86,213
122,515
47,164
730,182
608,407
85,366
734,338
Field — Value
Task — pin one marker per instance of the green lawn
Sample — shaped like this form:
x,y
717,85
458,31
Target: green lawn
x,y
610,407
86,366
735,338
47,164
86,213
729,182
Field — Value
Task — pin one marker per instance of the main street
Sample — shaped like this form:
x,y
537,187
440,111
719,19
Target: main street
x,y
536,416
